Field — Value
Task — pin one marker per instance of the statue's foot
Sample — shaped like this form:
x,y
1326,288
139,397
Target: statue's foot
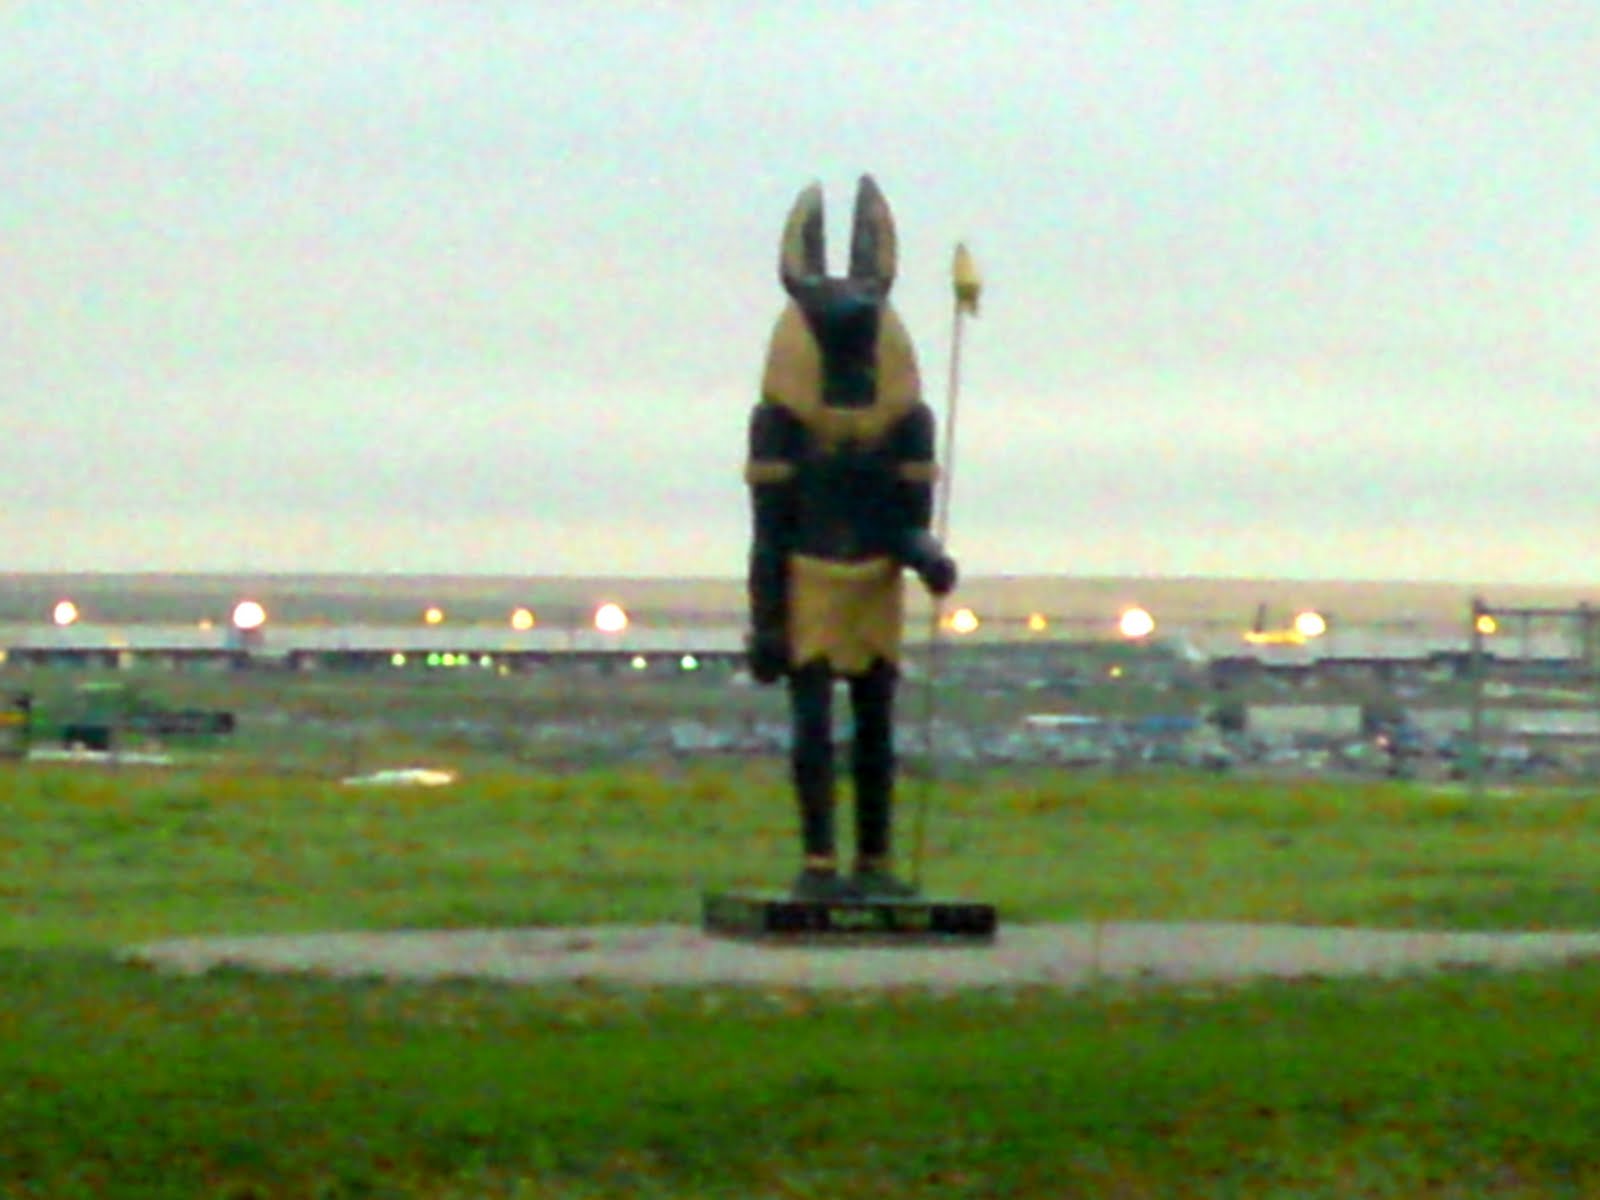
x,y
820,883
878,882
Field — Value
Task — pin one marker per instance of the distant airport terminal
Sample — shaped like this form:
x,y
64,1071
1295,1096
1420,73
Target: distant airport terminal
x,y
364,623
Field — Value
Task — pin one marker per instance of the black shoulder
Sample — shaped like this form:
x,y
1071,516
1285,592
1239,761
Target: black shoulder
x,y
915,432
772,444
771,425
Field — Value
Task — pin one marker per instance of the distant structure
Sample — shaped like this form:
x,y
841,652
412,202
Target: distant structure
x,y
1495,642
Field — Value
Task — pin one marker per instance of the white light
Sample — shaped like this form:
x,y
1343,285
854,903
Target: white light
x,y
610,618
964,620
433,616
1136,623
1310,624
66,612
689,662
247,614
522,620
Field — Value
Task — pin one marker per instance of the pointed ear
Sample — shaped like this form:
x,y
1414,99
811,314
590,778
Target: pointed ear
x,y
803,254
874,251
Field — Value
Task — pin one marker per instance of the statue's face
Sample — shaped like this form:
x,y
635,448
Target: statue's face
x,y
843,315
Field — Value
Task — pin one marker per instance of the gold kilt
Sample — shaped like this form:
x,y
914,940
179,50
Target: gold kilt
x,y
845,613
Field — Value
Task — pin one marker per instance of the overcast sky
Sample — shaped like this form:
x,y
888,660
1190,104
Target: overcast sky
x,y
1275,288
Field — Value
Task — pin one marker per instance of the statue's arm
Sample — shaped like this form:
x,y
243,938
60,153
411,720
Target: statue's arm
x,y
769,473
918,475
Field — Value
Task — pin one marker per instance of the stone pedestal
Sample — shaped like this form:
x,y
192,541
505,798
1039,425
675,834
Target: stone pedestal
x,y
778,917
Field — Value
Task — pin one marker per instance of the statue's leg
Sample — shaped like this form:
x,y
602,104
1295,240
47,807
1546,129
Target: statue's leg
x,y
811,762
873,768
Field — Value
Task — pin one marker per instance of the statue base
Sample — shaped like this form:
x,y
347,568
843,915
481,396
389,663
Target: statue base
x,y
781,918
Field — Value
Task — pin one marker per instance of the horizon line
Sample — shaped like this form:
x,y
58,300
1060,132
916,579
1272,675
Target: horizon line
x,y
738,577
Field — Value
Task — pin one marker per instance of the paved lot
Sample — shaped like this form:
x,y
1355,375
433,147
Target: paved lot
x,y
1059,955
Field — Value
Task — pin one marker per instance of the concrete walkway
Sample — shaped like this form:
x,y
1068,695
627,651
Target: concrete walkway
x,y
1060,955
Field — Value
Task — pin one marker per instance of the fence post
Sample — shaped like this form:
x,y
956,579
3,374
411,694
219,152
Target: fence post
x,y
1476,671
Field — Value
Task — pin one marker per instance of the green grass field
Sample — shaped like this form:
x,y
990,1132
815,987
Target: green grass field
x,y
118,1082
99,858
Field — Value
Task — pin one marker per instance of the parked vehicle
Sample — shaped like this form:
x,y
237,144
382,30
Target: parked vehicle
x,y
103,715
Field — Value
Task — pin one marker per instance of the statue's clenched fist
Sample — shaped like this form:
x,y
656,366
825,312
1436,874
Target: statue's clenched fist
x,y
767,655
939,575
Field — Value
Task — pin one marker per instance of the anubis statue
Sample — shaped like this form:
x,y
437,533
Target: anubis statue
x,y
841,474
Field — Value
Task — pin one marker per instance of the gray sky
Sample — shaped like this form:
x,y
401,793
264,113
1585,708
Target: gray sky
x,y
1305,289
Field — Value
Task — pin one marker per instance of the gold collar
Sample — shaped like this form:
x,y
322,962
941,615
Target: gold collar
x,y
793,378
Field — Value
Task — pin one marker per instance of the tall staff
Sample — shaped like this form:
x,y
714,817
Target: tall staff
x,y
966,287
